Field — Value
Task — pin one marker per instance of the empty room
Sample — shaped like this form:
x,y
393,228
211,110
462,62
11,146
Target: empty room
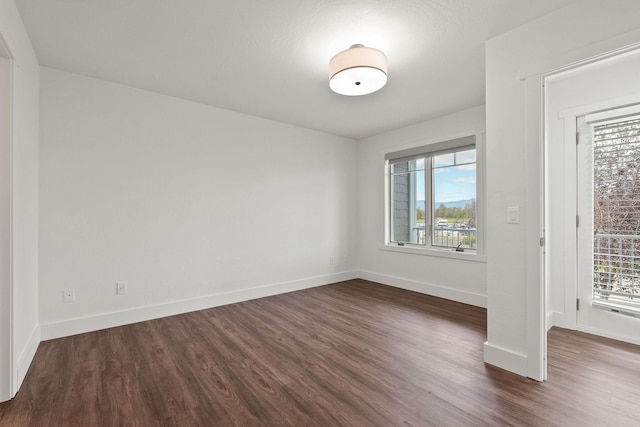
x,y
319,213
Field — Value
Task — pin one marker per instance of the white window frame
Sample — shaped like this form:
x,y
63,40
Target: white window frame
x,y
429,148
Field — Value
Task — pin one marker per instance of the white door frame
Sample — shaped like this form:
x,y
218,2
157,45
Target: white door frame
x,y
534,230
7,386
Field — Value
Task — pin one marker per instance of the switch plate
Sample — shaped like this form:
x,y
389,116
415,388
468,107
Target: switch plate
x,y
513,215
68,295
121,288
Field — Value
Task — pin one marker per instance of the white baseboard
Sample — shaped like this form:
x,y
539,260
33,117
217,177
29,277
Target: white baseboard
x,y
465,297
550,321
505,359
607,334
139,314
25,358
560,320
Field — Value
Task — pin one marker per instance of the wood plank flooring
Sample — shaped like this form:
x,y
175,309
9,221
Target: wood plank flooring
x,y
350,354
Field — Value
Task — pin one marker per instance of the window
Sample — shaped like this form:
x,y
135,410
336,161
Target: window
x,y
616,218
432,196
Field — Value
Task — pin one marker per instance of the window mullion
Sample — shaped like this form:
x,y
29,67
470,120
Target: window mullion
x,y
412,207
390,205
428,202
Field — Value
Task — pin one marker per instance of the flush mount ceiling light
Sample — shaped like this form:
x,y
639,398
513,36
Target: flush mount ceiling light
x,y
358,70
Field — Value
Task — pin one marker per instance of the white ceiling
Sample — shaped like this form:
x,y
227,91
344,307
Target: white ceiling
x,y
270,58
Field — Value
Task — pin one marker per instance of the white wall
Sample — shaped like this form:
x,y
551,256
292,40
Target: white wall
x,y
192,205
456,279
514,62
24,200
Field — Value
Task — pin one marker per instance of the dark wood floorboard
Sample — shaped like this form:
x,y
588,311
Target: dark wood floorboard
x,y
350,354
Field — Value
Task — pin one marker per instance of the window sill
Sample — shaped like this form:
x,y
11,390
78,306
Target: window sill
x,y
441,253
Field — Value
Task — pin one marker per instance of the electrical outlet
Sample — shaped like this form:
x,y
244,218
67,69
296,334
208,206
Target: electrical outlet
x,y
121,288
69,295
332,260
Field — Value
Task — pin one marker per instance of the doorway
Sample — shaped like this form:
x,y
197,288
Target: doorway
x,y
588,266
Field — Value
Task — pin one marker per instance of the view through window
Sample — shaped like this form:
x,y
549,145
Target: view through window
x,y
432,196
616,216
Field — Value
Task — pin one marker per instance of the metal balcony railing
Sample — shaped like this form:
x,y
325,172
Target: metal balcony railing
x,y
449,237
616,269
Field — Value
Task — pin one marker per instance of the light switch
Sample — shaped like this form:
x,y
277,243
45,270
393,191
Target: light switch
x,y
513,215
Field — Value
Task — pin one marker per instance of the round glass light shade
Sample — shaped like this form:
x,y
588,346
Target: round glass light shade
x,y
357,71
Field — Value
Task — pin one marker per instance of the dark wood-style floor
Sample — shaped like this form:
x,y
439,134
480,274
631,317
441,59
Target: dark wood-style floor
x,y
353,353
